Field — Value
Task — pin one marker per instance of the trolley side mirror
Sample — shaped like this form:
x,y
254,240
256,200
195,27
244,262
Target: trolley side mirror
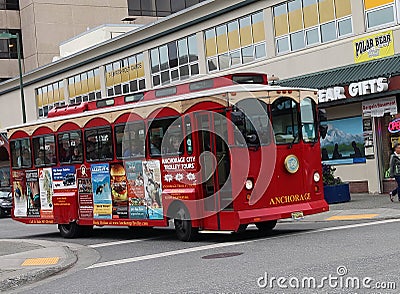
x,y
322,117
237,118
323,130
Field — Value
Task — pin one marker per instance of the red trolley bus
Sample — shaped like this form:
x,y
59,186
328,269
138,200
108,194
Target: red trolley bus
x,y
215,154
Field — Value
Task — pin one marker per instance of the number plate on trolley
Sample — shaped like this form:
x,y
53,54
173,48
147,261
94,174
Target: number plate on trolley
x,y
298,215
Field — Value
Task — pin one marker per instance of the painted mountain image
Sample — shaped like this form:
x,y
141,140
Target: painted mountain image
x,y
344,139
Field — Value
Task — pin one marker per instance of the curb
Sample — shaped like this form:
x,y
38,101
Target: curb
x,y
40,274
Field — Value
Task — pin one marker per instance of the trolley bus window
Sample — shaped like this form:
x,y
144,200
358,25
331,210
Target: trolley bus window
x,y
21,153
129,140
285,121
308,121
44,150
99,144
251,119
165,136
70,147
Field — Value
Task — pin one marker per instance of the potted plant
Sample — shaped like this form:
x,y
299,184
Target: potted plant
x,y
335,191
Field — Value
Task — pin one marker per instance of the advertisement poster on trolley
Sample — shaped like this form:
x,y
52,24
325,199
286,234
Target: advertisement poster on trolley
x,y
20,200
64,178
119,191
134,174
85,193
32,192
101,191
153,188
46,192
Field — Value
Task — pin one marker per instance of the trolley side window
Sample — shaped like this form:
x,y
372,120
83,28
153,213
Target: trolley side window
x,y
44,148
70,147
285,121
308,120
129,140
165,137
99,144
21,155
250,117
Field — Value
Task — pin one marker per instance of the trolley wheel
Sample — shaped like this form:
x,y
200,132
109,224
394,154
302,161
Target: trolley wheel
x,y
266,227
183,226
71,230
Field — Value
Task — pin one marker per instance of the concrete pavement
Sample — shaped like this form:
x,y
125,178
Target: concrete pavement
x,y
28,261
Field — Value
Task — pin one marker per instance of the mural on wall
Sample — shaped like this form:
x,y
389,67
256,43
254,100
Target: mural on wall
x,y
344,142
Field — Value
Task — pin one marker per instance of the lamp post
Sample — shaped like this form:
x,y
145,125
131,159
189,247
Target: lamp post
x,y
21,84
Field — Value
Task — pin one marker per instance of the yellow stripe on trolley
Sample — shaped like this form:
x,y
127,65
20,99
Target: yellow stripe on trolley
x,y
40,261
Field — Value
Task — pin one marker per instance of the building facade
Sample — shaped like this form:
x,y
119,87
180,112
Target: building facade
x,y
349,50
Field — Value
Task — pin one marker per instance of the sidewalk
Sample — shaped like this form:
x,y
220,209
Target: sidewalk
x,y
361,207
28,261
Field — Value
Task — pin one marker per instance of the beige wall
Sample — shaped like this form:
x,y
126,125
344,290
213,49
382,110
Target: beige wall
x,y
9,19
45,24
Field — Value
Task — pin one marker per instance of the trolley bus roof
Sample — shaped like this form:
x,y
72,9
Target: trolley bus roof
x,y
160,102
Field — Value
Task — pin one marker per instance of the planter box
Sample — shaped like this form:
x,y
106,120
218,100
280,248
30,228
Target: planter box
x,y
337,194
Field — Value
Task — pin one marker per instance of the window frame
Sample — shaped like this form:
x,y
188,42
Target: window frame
x,y
123,157
51,162
100,157
69,143
181,151
12,150
209,59
396,16
293,125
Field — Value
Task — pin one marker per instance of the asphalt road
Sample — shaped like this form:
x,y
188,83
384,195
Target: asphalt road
x,y
157,263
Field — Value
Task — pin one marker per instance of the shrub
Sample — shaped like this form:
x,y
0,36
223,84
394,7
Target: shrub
x,y
328,176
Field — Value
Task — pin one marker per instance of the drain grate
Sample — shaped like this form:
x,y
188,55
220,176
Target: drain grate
x,y
222,255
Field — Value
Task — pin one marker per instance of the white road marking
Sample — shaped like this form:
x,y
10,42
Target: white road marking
x,y
169,253
228,244
121,242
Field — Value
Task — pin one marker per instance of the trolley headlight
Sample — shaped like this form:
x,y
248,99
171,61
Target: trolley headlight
x,y
292,163
317,177
249,184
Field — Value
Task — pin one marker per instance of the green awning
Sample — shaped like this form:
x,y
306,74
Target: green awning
x,y
345,75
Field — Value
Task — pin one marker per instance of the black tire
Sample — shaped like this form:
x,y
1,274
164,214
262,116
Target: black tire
x,y
266,227
71,230
183,226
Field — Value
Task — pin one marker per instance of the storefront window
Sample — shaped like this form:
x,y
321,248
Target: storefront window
x,y
125,76
379,13
84,87
48,97
304,23
237,42
344,141
177,60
